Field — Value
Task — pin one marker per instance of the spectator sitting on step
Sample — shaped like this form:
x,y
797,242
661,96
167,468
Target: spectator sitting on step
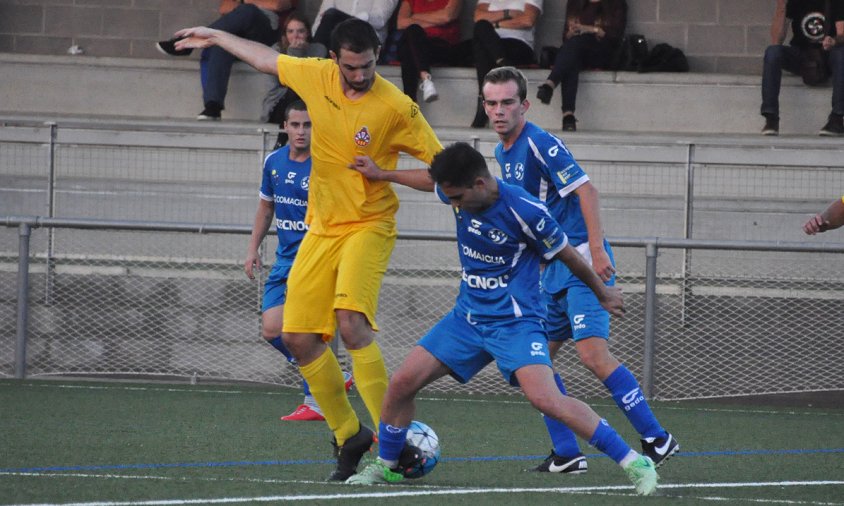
x,y
256,20
332,12
295,41
811,26
503,35
430,35
593,31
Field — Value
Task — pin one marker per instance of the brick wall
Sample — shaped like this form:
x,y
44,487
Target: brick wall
x,y
726,36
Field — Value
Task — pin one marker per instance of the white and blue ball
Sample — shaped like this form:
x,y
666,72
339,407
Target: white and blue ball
x,y
423,437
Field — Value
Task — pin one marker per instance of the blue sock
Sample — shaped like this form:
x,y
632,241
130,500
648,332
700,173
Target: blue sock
x,y
608,441
630,399
563,439
278,344
391,441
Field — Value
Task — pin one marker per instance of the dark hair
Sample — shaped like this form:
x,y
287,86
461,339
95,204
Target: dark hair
x,y
458,165
354,35
294,16
504,74
296,105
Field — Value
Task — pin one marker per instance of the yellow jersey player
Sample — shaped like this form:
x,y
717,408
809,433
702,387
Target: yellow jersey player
x,y
358,117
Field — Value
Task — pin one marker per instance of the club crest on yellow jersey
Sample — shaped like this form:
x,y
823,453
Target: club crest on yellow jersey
x,y
362,138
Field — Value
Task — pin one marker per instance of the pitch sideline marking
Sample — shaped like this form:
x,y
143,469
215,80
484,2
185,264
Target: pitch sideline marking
x,y
431,492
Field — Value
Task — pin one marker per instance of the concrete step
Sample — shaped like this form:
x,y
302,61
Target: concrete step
x,y
691,103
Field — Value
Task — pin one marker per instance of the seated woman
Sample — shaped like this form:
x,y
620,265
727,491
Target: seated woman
x,y
430,34
503,35
594,29
295,41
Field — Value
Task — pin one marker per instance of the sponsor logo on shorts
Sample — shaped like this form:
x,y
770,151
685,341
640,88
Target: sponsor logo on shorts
x,y
537,349
578,321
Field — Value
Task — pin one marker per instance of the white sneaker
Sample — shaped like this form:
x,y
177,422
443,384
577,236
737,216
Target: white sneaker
x,y
429,92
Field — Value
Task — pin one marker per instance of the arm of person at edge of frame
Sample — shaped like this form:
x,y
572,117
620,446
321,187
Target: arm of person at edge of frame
x,y
263,219
418,179
831,218
591,209
262,57
609,296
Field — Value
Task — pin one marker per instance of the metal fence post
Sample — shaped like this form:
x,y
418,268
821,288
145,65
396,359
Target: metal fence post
x,y
24,233
51,213
688,220
651,252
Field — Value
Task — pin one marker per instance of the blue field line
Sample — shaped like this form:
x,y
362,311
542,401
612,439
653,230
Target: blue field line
x,y
118,467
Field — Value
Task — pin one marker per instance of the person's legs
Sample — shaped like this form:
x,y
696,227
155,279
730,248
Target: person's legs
x,y
488,53
836,65
537,383
362,263
777,58
413,55
245,21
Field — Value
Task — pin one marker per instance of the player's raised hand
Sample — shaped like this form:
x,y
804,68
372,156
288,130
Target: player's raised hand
x,y
198,37
368,168
612,300
601,264
253,261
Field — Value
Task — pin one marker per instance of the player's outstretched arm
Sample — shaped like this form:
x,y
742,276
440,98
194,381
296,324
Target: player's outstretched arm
x,y
256,54
831,218
609,296
263,219
418,179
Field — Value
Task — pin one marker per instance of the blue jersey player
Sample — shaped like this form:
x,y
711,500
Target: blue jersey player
x,y
541,164
284,194
502,235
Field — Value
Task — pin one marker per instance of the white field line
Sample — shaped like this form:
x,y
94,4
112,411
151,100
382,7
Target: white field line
x,y
516,400
456,491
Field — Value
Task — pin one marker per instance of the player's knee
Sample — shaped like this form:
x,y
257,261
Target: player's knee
x,y
354,329
554,347
599,361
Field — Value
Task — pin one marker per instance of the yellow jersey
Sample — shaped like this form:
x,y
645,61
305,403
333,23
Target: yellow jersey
x,y
380,124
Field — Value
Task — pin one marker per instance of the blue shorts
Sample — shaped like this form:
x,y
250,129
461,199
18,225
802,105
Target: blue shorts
x,y
466,348
575,313
275,288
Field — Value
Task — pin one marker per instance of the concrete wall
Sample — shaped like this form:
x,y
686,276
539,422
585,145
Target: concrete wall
x,y
725,36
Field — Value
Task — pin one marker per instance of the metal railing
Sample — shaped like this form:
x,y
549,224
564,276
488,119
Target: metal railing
x,y
416,293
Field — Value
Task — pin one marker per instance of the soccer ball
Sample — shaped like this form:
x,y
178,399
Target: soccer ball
x,y
425,439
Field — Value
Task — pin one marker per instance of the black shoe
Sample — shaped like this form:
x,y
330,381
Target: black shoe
x,y
772,125
349,455
569,123
211,112
544,94
411,460
834,126
659,449
481,120
168,47
564,465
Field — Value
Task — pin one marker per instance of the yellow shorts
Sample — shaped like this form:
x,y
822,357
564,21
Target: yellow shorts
x,y
336,272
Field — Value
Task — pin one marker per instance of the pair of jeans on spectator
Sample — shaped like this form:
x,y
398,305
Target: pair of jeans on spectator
x,y
781,57
247,21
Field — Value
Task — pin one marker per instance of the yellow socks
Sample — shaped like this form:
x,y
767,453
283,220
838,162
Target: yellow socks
x,y
325,378
370,378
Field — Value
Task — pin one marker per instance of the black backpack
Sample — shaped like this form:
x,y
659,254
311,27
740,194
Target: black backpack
x,y
631,52
665,58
